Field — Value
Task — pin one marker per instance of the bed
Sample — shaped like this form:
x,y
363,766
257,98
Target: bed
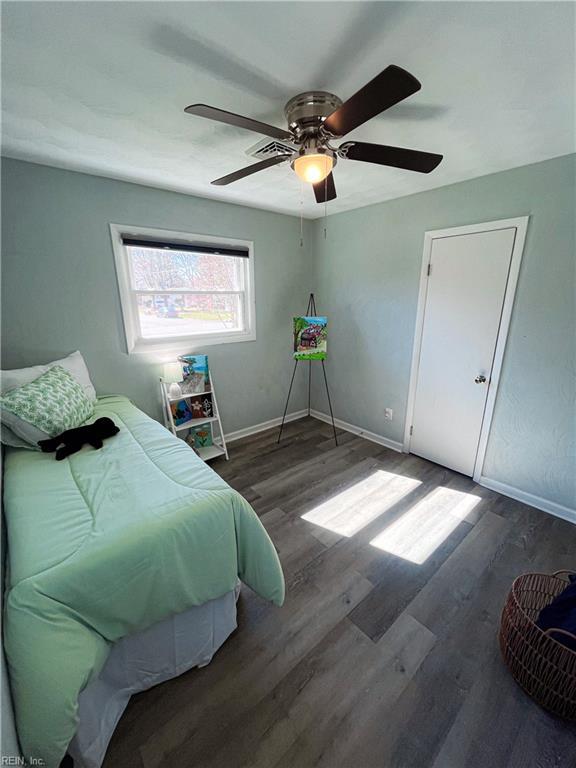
x,y
108,545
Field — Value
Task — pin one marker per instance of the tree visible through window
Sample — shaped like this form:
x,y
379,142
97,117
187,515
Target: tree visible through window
x,y
182,294
199,292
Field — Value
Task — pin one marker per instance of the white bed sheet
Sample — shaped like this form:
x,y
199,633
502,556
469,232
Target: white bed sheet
x,y
139,661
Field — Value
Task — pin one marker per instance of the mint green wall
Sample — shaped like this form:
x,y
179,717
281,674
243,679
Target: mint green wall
x,y
367,282
60,292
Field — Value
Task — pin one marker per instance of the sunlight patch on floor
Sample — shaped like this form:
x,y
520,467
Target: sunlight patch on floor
x,y
421,530
348,512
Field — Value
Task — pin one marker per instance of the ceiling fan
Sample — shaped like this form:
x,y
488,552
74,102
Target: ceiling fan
x,y
316,118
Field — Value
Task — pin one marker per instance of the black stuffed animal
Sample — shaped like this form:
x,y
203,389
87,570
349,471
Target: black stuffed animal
x,y
73,439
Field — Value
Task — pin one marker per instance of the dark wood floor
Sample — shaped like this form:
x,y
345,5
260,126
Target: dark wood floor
x,y
374,661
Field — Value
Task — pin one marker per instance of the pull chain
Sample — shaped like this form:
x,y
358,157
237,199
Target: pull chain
x,y
325,205
301,214
325,196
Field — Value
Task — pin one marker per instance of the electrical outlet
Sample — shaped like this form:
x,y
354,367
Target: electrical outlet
x,y
388,414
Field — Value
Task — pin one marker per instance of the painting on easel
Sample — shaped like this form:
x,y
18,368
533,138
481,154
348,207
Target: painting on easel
x,y
310,336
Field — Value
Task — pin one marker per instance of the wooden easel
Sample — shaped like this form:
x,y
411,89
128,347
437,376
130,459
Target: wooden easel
x,y
310,311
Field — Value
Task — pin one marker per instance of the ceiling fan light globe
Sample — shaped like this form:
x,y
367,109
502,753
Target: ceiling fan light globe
x,y
313,168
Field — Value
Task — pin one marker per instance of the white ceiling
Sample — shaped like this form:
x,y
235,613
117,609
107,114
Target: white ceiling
x,y
101,86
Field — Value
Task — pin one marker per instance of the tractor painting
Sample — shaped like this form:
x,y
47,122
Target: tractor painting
x,y
310,335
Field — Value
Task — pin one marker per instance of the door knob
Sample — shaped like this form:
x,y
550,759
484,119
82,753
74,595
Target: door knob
x,y
480,379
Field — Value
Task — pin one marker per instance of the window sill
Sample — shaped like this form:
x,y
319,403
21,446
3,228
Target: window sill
x,y
186,343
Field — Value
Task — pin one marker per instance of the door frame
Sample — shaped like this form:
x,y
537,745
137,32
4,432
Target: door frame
x,y
521,225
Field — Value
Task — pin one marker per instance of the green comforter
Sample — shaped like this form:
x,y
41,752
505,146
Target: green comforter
x,y
104,544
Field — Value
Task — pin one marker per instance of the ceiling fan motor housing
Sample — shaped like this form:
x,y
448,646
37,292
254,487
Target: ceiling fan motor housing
x,y
307,111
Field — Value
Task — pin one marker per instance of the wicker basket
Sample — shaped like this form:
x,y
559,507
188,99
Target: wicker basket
x,y
545,668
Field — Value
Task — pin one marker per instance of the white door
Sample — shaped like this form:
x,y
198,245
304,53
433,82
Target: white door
x,y
464,299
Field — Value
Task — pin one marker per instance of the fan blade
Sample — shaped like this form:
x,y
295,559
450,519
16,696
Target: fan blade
x,y
325,190
388,88
250,169
230,118
397,157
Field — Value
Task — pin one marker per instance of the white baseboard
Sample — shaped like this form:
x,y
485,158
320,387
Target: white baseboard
x,y
385,441
529,498
295,415
240,433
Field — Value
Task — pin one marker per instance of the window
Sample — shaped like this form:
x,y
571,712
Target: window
x,y
179,289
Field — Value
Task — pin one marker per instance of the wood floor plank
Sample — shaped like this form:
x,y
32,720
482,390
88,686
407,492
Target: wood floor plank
x,y
544,741
456,578
292,539
290,454
398,584
289,478
336,735
271,727
339,463
328,443
477,735
329,485
274,654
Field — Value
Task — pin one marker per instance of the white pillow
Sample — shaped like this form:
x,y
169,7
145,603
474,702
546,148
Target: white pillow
x,y
74,364
14,427
7,437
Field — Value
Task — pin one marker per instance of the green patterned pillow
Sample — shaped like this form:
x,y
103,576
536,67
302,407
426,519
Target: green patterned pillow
x,y
47,406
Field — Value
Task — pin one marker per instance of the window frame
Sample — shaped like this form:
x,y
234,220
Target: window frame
x,y
135,343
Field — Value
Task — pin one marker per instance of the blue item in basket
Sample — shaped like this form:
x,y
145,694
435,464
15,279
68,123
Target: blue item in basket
x,y
561,614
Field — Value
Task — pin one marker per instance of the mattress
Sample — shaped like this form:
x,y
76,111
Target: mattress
x,y
105,544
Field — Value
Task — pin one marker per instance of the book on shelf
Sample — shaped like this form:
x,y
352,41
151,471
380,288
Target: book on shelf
x,y
196,376
181,412
201,406
200,436
192,409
